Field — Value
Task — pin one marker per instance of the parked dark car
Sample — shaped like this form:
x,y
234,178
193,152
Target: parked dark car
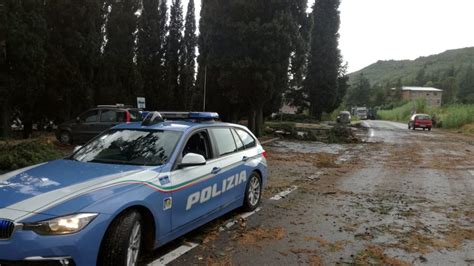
x,y
93,121
420,121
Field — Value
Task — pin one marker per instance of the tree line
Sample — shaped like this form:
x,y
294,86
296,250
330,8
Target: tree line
x,y
62,57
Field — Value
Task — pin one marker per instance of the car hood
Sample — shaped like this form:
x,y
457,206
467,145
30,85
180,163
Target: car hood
x,y
30,189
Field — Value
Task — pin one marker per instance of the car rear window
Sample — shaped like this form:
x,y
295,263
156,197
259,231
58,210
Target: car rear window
x,y
423,117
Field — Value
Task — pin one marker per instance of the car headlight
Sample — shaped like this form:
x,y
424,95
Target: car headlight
x,y
61,225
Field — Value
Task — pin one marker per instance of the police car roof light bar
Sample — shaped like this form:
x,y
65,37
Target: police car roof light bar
x,y
151,117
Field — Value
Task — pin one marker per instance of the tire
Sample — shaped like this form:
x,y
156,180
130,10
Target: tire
x,y
409,126
123,241
423,129
413,127
253,192
429,129
65,137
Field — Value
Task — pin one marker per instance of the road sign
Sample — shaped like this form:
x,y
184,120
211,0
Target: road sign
x,y
141,102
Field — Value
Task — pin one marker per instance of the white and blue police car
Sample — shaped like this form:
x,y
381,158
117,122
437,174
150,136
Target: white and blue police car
x,y
134,187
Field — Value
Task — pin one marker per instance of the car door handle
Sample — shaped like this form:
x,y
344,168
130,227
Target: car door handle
x,y
215,170
245,158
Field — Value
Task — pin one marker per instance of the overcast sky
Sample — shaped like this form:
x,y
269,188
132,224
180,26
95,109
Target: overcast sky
x,y
374,30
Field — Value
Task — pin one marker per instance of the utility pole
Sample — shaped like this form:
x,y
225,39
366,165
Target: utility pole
x,y
204,97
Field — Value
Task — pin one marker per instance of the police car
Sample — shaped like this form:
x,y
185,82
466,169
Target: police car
x,y
135,187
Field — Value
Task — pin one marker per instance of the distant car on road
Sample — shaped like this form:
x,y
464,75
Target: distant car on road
x,y
93,121
344,117
420,121
362,112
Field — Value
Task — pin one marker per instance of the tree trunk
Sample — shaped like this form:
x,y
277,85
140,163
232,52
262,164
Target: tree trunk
x,y
259,122
27,127
251,120
4,120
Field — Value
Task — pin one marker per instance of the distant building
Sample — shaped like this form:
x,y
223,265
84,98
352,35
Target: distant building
x,y
431,95
287,109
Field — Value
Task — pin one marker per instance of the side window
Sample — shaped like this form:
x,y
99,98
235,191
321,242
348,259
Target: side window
x,y
108,116
90,116
224,140
246,138
240,145
198,143
121,116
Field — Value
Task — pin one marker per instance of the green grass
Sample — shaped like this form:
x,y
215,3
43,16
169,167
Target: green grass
x,y
18,154
451,116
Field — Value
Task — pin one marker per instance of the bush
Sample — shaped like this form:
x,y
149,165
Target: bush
x,y
449,116
14,155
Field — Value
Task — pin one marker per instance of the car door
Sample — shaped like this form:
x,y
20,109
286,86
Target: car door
x,y
204,189
108,119
83,129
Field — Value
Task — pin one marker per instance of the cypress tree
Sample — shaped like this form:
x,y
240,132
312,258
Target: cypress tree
x,y
5,99
26,54
150,51
73,47
187,71
324,58
172,57
119,76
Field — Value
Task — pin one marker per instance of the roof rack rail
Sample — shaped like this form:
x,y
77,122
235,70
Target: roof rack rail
x,y
117,105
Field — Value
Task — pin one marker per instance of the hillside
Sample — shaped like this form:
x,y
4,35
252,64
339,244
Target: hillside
x,y
406,70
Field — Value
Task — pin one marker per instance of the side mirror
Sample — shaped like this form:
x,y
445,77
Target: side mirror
x,y
192,159
76,149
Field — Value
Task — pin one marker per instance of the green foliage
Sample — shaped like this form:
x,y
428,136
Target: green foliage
x,y
174,48
449,116
245,47
150,50
14,155
359,92
119,77
466,86
324,62
187,65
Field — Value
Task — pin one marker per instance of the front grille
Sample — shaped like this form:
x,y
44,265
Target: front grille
x,y
6,229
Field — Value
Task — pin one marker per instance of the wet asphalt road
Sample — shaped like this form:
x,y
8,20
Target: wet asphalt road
x,y
403,197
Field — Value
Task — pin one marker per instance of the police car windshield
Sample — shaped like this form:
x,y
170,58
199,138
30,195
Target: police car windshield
x,y
128,146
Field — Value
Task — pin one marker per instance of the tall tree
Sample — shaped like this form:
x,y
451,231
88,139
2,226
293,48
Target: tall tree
x,y
295,96
5,99
151,32
324,57
119,76
73,52
187,66
246,46
466,86
359,92
174,50
26,54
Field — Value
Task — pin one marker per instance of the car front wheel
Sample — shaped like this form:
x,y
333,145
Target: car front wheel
x,y
123,241
65,137
253,192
